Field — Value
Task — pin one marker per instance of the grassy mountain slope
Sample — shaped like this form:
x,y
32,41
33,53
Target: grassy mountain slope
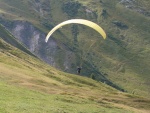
x,y
133,52
29,85
122,58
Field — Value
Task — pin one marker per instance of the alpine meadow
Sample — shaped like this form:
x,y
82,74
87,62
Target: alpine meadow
x,y
41,77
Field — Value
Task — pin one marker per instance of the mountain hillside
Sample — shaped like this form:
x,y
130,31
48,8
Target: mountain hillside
x,y
29,85
122,60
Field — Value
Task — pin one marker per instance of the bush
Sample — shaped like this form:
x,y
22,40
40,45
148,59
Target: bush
x,y
71,8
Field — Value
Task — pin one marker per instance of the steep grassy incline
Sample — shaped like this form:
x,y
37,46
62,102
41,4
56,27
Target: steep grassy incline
x,y
122,58
29,85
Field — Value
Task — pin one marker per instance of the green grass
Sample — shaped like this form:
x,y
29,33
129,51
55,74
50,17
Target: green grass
x,y
19,100
128,53
125,61
29,85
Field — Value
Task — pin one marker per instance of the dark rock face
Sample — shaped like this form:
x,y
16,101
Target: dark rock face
x,y
27,34
34,40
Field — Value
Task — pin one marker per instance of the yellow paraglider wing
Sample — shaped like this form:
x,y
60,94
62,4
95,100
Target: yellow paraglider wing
x,y
78,21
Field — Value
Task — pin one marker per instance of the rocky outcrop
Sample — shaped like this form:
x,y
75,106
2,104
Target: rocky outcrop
x,y
41,7
133,5
27,34
34,40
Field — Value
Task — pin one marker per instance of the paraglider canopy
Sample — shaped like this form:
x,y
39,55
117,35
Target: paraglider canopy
x,y
78,21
